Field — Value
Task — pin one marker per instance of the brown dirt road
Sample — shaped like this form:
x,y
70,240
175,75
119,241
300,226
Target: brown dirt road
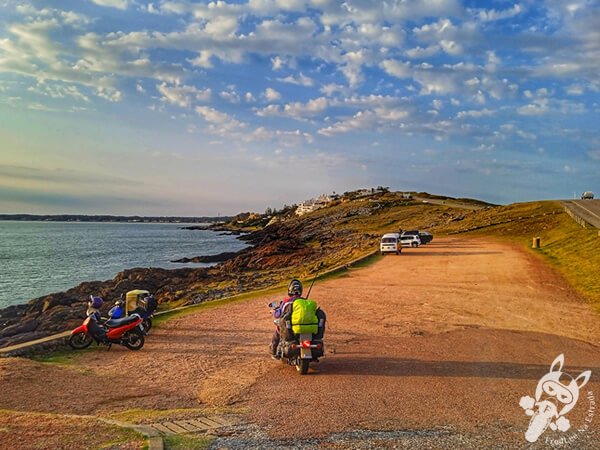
x,y
430,349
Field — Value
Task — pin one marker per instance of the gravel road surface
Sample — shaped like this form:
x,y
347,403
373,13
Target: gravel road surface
x,y
429,349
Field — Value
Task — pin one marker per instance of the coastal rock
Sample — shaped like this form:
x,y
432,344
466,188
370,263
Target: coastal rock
x,y
23,327
221,257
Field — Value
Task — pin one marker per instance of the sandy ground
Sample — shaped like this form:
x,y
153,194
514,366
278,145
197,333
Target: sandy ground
x,y
437,344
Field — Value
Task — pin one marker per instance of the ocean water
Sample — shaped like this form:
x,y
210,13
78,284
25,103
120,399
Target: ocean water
x,y
39,258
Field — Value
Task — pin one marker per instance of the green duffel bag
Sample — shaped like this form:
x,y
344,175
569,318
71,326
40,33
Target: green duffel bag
x,y
304,317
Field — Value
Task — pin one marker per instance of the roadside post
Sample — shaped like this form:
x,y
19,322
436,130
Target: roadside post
x,y
536,242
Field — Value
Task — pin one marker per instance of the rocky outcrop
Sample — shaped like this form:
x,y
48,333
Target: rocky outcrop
x,y
221,257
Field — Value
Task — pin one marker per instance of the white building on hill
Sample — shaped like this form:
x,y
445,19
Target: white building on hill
x,y
313,204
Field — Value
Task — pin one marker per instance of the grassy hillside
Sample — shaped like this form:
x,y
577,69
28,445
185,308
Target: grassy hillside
x,y
351,227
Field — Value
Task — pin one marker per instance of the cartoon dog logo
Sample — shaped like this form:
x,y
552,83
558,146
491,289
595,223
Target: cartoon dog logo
x,y
556,394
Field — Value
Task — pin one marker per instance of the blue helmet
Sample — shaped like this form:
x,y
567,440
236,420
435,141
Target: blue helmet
x,y
96,302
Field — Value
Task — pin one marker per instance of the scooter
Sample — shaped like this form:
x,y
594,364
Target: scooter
x,y
145,308
127,331
118,312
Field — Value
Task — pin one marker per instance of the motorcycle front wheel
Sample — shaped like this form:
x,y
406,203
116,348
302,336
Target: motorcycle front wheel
x,y
133,340
79,341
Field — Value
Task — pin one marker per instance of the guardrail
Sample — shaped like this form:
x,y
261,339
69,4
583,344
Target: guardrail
x,y
581,221
58,340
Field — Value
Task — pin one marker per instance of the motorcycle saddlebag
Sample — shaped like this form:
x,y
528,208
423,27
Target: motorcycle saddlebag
x,y
322,319
318,352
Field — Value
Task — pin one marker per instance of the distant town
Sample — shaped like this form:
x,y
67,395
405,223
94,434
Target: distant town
x,y
108,218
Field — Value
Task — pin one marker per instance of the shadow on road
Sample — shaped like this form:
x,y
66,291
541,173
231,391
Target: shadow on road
x,y
380,366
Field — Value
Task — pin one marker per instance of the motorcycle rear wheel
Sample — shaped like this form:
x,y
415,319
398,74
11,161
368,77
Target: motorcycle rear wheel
x,y
303,366
133,340
79,341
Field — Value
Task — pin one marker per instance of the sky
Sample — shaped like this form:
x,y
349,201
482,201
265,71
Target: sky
x,y
204,108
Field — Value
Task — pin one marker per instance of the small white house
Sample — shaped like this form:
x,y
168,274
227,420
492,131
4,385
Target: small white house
x,y
313,204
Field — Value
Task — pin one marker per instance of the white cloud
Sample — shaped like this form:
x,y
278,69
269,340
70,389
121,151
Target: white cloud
x,y
361,120
119,4
271,95
220,123
311,108
489,15
301,80
268,111
378,117
203,59
230,95
575,89
397,69
475,113
58,90
332,88
422,53
277,63
182,95
451,47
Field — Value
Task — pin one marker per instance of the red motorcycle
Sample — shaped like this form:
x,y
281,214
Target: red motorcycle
x,y
127,331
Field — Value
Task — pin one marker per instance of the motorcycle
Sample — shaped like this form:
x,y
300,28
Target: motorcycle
x,y
138,302
127,331
298,350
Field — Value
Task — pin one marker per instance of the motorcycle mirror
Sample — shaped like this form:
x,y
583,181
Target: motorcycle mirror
x,y
272,305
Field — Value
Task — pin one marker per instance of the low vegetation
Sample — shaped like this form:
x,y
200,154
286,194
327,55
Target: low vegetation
x,y
52,431
187,442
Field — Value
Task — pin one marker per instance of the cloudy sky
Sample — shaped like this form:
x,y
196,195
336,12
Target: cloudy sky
x,y
194,108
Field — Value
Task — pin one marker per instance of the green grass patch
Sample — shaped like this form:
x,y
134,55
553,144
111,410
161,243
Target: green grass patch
x,y
192,309
65,357
141,416
187,442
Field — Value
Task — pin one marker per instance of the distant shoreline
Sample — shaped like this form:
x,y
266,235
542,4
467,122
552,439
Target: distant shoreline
x,y
109,218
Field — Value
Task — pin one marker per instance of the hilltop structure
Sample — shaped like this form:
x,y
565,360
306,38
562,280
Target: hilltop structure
x,y
313,204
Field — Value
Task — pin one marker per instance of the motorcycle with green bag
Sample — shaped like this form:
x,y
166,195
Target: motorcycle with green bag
x,y
302,328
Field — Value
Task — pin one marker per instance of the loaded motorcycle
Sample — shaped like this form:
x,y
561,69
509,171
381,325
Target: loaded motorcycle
x,y
299,349
300,328
138,302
